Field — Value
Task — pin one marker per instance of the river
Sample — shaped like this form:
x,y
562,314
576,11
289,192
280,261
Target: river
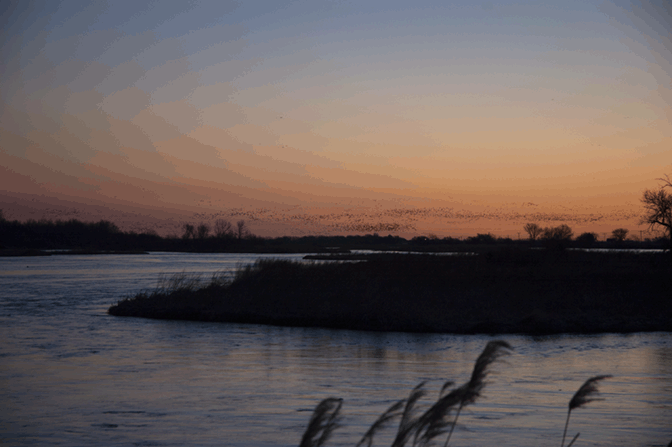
x,y
72,375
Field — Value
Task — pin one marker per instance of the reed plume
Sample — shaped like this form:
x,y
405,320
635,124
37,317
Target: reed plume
x,y
433,422
391,413
469,392
584,395
422,429
323,422
409,421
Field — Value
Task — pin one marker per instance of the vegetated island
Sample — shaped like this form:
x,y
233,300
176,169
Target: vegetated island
x,y
505,290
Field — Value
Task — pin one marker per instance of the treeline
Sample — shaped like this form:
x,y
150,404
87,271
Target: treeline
x,y
104,235
223,237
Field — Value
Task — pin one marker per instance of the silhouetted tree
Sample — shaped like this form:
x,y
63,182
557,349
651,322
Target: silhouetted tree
x,y
619,234
189,231
223,228
2,216
533,231
202,230
658,206
560,233
557,238
586,239
242,229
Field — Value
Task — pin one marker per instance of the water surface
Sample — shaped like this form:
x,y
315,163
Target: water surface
x,y
72,375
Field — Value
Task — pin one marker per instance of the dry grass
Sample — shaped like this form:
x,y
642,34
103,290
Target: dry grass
x,y
424,428
178,282
323,422
584,395
499,292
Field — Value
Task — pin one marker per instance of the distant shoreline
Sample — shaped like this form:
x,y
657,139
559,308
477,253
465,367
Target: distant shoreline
x,y
15,252
498,292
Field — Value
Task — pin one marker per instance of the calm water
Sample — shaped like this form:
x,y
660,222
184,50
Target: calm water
x,y
72,375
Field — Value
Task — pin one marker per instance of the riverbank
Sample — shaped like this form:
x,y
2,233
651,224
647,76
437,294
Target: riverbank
x,y
502,291
15,252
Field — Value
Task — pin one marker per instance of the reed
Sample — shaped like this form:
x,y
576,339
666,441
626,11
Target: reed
x,y
429,425
409,422
472,390
393,412
323,422
423,429
584,395
178,282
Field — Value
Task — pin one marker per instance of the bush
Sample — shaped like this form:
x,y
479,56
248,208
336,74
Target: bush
x,y
586,239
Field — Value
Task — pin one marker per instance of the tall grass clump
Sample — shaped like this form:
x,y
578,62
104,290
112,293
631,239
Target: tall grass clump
x,y
184,295
424,428
178,282
420,429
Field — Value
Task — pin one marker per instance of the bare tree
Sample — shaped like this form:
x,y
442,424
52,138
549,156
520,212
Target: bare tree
x,y
189,231
560,233
658,206
619,234
223,228
533,231
202,230
242,229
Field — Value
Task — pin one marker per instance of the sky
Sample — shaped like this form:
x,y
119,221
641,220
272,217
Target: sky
x,y
340,117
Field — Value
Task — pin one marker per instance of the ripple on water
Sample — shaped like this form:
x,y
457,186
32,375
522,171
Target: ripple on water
x,y
72,375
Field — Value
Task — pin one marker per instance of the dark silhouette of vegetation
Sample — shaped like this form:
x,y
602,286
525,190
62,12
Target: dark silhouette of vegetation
x,y
584,395
189,231
658,208
554,237
46,234
425,429
202,231
28,238
323,422
557,238
484,239
560,233
504,290
533,231
223,228
619,234
242,229
586,240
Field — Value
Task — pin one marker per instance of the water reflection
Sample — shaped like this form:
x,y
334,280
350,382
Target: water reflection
x,y
70,374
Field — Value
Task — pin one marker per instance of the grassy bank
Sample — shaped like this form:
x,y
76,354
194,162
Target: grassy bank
x,y
503,291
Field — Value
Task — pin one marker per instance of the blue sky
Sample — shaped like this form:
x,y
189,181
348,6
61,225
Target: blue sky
x,y
429,101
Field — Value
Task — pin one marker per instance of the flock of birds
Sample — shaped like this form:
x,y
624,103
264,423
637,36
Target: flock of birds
x,y
303,220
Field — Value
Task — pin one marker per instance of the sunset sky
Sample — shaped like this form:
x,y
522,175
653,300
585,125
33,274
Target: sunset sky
x,y
316,117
